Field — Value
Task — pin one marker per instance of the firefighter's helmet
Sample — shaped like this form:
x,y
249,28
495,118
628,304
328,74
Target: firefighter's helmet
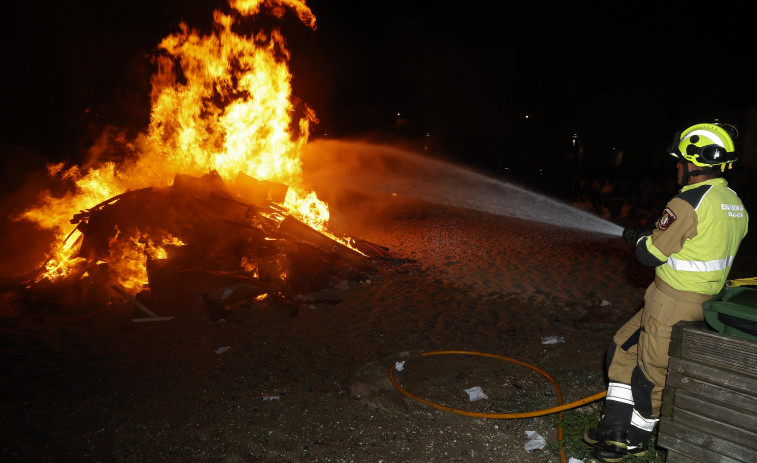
x,y
706,145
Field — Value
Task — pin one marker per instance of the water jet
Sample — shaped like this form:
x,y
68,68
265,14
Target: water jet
x,y
374,168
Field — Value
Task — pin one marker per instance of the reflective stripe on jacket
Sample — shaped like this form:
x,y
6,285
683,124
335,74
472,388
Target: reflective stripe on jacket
x,y
695,241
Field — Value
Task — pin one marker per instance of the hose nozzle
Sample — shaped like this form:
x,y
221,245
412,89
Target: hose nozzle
x,y
629,234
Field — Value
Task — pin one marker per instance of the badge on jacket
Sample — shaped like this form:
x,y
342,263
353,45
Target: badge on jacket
x,y
667,219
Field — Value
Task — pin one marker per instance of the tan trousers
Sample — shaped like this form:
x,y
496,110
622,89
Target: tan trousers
x,y
645,338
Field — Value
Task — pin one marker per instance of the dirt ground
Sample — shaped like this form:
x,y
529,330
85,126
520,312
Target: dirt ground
x,y
311,382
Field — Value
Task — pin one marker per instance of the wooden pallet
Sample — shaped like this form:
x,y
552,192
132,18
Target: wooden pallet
x,y
709,409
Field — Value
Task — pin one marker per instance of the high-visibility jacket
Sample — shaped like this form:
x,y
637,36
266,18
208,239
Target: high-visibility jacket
x,y
694,242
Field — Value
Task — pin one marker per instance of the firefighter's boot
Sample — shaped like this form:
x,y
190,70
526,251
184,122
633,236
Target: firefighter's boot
x,y
613,450
612,439
638,441
607,456
612,433
604,455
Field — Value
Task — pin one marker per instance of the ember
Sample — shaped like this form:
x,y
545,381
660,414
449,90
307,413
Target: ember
x,y
208,207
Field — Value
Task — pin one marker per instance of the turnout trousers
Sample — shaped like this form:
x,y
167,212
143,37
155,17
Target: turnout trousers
x,y
638,358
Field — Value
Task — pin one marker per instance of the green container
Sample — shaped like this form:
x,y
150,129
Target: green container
x,y
733,312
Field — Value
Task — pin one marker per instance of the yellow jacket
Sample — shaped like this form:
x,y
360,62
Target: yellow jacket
x,y
695,241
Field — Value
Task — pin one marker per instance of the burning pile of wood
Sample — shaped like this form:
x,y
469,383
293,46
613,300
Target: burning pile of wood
x,y
218,101
204,248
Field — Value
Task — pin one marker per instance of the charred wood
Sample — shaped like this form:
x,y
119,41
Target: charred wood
x,y
216,249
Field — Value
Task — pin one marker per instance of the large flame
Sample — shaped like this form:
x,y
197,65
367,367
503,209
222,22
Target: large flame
x,y
220,102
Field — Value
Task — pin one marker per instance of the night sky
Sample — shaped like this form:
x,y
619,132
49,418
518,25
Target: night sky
x,y
620,74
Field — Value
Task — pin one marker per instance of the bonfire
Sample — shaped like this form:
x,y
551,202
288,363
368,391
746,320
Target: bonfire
x,y
207,206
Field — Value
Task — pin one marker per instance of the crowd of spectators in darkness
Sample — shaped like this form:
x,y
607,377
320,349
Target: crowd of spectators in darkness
x,y
631,202
623,201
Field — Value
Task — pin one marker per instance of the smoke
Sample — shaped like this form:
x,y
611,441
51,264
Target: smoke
x,y
344,171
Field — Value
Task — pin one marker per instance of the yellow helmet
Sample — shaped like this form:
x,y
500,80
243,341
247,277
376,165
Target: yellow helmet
x,y
706,145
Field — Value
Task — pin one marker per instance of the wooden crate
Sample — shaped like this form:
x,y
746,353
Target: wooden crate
x,y
709,408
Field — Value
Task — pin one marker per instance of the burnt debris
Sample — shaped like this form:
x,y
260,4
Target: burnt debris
x,y
202,249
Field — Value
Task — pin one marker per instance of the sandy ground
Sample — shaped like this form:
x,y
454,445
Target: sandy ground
x,y
311,382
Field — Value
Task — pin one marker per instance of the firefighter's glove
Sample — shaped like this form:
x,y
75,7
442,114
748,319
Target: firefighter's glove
x,y
633,235
628,234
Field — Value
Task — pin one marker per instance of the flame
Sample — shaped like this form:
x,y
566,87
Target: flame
x,y
156,250
219,102
62,260
128,256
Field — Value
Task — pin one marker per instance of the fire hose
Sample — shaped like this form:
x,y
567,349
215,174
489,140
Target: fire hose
x,y
506,416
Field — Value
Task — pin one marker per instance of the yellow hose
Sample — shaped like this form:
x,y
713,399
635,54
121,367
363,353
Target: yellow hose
x,y
506,416
742,282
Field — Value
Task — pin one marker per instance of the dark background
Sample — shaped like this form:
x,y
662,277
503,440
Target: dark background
x,y
457,79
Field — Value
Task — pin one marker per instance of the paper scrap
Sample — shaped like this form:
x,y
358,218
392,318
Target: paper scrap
x,y
552,339
534,441
399,366
476,393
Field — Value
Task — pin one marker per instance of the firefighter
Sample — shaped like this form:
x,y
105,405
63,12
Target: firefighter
x,y
692,247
